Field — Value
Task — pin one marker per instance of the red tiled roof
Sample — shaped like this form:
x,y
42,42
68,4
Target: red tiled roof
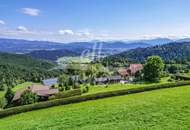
x,y
123,72
135,68
132,69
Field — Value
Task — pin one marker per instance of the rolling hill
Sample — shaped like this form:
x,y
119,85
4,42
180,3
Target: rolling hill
x,y
26,46
78,49
24,61
53,50
18,68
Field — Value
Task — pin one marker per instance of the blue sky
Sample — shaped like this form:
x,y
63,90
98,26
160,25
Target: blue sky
x,y
81,20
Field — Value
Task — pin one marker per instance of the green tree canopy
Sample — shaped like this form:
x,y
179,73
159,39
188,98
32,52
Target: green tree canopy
x,y
28,97
153,68
9,95
63,79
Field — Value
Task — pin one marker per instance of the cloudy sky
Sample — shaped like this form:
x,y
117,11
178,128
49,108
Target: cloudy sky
x,y
83,20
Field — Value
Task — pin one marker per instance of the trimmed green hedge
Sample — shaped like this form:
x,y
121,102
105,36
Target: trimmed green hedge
x,y
75,99
182,77
66,94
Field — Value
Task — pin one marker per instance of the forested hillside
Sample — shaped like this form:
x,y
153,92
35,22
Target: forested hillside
x,y
53,55
24,61
171,53
16,68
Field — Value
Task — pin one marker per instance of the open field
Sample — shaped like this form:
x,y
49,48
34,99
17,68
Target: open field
x,y
22,85
69,60
160,109
119,86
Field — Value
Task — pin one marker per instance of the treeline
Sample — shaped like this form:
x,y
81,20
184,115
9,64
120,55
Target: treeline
x,y
171,53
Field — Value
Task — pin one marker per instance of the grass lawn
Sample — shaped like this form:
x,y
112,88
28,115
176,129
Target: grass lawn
x,y
69,60
165,109
22,85
118,86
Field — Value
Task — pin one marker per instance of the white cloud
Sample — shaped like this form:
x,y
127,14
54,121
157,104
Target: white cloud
x,y
2,22
22,29
30,11
84,34
66,32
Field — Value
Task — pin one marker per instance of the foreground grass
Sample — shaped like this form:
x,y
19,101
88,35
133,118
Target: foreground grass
x,y
161,109
119,86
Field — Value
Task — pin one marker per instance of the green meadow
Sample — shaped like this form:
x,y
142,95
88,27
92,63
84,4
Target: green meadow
x,y
119,86
165,109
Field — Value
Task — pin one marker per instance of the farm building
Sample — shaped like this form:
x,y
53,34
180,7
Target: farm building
x,y
115,79
40,90
131,70
101,80
110,79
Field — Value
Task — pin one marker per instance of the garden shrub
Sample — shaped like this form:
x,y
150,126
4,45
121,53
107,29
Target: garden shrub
x,y
85,89
3,102
28,97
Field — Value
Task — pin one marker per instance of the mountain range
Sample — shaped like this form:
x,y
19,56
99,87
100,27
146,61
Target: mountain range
x,y
26,46
54,50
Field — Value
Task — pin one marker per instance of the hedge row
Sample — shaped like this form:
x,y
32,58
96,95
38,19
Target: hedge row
x,y
182,77
66,94
76,99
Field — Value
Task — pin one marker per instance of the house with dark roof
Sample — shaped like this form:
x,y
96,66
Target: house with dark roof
x,y
101,80
40,90
110,79
115,79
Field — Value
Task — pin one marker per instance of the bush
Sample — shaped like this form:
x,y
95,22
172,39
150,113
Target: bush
x,y
67,88
76,85
61,88
28,97
85,89
170,80
53,86
9,95
3,103
76,99
186,71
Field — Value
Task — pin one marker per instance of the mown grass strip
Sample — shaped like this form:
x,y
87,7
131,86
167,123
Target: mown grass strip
x,y
76,99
